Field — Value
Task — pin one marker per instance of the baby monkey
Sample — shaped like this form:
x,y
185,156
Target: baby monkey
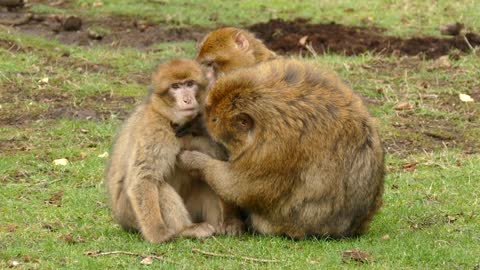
x,y
305,156
148,192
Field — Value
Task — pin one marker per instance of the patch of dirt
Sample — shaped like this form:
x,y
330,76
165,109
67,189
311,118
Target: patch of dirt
x,y
286,37
111,31
435,118
99,107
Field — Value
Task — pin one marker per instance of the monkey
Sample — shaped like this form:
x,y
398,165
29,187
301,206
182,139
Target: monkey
x,y
226,49
305,156
148,192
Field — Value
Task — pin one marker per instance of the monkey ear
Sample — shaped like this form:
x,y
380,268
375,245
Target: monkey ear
x,y
241,41
244,122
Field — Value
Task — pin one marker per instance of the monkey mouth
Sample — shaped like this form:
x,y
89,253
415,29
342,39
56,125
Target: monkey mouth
x,y
189,110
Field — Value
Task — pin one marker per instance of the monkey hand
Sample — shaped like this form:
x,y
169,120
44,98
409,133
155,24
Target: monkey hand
x,y
193,160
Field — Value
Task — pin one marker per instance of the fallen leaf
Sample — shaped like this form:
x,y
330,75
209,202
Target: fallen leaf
x,y
395,186
70,239
104,155
386,237
11,228
402,106
451,219
56,198
43,81
83,155
97,4
60,162
303,40
12,264
356,255
465,98
147,260
410,167
84,131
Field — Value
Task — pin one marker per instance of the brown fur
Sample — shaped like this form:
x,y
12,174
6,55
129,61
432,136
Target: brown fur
x,y
305,155
219,48
147,191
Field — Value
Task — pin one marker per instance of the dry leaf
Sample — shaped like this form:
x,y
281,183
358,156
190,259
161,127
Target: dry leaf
x,y
84,131
147,260
356,255
97,4
403,106
60,162
386,237
451,219
303,40
43,81
56,198
465,98
11,228
12,264
410,167
83,155
104,155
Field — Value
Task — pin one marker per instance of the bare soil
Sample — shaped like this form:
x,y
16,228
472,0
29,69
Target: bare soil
x,y
111,31
285,37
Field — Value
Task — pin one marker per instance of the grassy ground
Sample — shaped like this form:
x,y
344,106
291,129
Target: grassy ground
x,y
50,216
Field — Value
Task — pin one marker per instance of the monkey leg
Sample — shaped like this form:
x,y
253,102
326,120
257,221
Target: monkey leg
x,y
176,216
144,198
124,214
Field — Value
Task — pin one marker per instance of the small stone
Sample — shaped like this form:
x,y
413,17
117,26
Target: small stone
x,y
72,23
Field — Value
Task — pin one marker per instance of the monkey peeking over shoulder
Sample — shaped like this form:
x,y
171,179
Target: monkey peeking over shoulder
x,y
148,191
306,157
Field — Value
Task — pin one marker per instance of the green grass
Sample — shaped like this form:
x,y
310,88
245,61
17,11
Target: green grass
x,y
430,214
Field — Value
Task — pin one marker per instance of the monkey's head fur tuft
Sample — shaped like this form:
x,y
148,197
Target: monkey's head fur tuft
x,y
231,48
176,70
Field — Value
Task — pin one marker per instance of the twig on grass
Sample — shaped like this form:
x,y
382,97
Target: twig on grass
x,y
468,43
96,253
212,254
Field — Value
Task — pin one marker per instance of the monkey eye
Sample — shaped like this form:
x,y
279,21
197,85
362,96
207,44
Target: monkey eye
x,y
208,63
190,83
175,86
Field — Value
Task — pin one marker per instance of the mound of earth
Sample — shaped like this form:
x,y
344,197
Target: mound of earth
x,y
294,37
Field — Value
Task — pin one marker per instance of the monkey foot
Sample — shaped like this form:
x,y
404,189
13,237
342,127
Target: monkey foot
x,y
233,226
198,230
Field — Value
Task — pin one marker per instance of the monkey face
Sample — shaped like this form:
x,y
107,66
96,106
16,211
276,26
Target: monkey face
x,y
179,90
224,50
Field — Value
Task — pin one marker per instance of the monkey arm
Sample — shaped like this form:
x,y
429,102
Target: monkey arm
x,y
216,173
205,145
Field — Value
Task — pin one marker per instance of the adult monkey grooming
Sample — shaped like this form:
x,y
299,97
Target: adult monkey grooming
x,y
226,49
147,191
305,155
